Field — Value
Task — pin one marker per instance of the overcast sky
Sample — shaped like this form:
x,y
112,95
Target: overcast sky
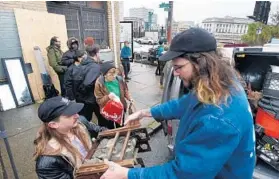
x,y
197,10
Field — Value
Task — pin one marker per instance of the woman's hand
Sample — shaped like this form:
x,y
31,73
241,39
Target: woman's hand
x,y
112,96
115,171
131,100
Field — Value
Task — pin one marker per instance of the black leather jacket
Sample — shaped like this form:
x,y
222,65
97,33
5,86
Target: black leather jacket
x,y
53,167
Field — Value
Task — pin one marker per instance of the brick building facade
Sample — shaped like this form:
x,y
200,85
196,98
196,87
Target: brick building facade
x,y
95,14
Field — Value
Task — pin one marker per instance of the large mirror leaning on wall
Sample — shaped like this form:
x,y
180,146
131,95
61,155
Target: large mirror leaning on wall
x,y
17,78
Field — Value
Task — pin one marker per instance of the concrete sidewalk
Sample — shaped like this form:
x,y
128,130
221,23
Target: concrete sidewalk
x,y
22,123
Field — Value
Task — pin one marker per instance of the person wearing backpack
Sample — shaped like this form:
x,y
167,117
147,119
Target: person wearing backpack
x,y
108,87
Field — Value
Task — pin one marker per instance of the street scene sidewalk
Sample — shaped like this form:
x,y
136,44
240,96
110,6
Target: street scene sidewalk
x,y
22,124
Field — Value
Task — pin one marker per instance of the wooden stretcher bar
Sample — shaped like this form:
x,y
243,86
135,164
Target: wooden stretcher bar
x,y
113,144
125,145
87,169
121,130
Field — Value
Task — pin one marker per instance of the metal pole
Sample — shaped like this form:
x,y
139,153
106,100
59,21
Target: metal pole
x,y
3,135
5,175
170,13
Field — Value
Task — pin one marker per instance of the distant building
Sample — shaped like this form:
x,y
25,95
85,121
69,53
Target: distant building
x,y
121,10
143,13
138,26
180,26
227,29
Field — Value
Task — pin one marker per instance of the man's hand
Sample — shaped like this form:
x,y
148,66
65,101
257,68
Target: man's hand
x,y
135,117
115,171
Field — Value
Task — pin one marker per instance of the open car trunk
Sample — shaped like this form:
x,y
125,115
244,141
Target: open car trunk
x,y
253,67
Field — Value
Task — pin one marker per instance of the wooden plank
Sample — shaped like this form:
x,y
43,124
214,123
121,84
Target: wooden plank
x,y
121,130
98,168
36,29
113,144
125,145
92,150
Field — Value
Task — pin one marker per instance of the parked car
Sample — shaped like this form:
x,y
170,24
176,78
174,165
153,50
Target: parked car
x,y
268,165
140,51
153,54
147,40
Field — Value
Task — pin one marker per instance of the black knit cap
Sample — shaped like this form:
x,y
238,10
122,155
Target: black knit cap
x,y
105,67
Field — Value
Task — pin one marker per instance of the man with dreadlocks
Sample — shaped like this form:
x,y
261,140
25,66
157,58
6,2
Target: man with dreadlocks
x,y
215,138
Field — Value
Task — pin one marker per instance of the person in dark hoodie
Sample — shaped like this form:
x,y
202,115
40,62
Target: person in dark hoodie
x,y
73,79
73,76
90,71
69,56
54,54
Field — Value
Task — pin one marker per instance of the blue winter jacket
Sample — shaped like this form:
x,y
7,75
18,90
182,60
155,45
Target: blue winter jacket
x,y
126,52
160,51
211,142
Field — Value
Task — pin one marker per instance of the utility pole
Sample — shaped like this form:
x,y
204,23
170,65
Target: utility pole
x,y
150,14
169,28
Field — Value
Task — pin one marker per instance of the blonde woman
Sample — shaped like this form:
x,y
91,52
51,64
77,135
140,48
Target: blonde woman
x,y
62,142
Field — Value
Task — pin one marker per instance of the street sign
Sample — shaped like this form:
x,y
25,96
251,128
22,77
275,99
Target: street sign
x,y
164,5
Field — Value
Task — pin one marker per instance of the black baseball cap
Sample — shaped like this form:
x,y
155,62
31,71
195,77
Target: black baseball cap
x,y
193,40
57,106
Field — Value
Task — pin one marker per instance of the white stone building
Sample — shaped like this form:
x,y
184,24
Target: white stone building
x,y
227,29
138,26
121,10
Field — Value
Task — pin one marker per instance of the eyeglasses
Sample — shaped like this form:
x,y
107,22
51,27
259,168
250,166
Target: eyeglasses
x,y
178,67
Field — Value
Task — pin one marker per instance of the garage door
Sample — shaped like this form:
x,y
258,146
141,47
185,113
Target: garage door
x,y
9,39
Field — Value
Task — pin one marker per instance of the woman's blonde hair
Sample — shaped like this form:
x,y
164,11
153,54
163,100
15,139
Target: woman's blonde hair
x,y
46,133
213,77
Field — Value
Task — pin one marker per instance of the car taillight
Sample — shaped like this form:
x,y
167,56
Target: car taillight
x,y
169,128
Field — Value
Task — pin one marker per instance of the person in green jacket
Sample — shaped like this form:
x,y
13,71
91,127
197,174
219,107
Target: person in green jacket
x,y
54,54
